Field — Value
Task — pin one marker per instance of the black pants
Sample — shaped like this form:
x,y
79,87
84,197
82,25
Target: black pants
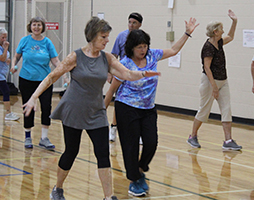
x,y
131,124
72,137
5,90
27,88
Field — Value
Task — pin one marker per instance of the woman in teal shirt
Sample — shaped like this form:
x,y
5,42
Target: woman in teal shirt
x,y
37,51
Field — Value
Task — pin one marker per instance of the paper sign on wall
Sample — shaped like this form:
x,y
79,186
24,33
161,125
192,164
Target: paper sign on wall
x,y
175,61
248,38
100,15
170,3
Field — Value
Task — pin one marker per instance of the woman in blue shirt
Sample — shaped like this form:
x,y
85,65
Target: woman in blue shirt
x,y
37,51
4,69
134,104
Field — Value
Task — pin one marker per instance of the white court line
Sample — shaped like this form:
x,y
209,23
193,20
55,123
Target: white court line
x,y
222,192
187,195
208,157
158,197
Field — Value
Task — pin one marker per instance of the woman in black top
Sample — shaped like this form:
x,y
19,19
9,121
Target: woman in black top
x,y
214,84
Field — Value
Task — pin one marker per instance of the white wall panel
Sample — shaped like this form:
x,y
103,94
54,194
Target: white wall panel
x,y
179,87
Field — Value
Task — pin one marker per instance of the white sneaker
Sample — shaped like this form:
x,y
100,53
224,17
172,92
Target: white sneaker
x,y
11,117
112,133
140,141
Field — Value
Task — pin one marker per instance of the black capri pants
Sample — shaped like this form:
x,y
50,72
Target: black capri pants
x,y
5,90
72,138
131,124
27,88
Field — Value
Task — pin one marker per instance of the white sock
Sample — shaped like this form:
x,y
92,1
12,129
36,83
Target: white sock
x,y
228,141
44,133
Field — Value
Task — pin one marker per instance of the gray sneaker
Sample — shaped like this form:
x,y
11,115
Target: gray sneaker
x,y
193,141
231,146
46,144
57,194
11,117
28,143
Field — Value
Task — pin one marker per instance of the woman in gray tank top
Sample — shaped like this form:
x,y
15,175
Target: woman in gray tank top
x,y
82,105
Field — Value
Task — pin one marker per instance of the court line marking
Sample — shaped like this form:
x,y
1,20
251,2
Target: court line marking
x,y
188,195
95,163
20,170
182,195
208,157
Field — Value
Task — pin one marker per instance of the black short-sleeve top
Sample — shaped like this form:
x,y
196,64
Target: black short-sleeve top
x,y
218,64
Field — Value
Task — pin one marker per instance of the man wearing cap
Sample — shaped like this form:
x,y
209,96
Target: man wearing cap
x,y
134,22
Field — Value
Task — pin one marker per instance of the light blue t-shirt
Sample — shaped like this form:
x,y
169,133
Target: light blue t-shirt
x,y
4,68
140,93
36,56
118,47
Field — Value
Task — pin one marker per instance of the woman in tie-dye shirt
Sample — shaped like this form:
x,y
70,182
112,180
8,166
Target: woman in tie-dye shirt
x,y
134,104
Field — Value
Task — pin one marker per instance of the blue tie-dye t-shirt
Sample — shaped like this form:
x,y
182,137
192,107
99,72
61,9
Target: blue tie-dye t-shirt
x,y
140,93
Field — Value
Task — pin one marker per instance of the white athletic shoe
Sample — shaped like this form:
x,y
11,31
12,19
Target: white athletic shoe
x,y
140,141
11,117
112,133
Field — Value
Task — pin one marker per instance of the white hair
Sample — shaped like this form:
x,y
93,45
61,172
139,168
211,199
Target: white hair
x,y
2,30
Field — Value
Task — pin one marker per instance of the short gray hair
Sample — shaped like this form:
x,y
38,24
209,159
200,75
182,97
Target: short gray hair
x,y
94,26
211,27
2,30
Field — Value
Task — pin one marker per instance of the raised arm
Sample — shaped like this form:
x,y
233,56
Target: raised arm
x,y
65,66
117,69
230,36
190,27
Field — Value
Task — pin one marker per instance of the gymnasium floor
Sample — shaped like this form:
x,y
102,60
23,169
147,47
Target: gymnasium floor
x,y
176,172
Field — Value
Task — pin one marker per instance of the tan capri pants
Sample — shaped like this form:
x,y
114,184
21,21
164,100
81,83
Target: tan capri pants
x,y
206,101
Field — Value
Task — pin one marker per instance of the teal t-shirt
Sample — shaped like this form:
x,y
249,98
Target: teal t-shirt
x,y
36,56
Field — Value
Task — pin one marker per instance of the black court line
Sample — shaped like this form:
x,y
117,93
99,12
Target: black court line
x,y
88,161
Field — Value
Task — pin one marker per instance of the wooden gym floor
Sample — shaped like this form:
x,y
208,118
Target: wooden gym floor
x,y
176,172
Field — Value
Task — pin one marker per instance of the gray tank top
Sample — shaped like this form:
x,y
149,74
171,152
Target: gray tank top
x,y
82,105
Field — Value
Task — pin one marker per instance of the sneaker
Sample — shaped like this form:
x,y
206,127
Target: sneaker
x,y
142,182
112,133
136,190
140,141
28,143
57,194
231,146
46,143
193,141
11,117
112,198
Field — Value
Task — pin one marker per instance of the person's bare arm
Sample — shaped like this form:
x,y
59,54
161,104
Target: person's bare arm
x,y
252,74
230,36
16,58
120,71
111,91
190,27
207,64
65,66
